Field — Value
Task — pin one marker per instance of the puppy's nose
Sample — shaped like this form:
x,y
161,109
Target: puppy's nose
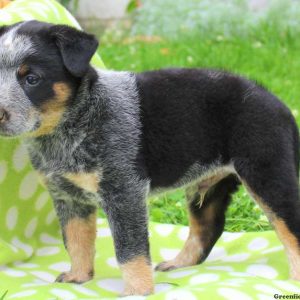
x,y
3,115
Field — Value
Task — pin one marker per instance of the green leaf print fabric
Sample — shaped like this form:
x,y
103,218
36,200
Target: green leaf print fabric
x,y
241,266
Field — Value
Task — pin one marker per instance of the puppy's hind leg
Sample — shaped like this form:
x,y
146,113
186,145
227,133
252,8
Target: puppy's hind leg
x,y
274,186
206,221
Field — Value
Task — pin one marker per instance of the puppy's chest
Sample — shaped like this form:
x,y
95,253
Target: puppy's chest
x,y
72,161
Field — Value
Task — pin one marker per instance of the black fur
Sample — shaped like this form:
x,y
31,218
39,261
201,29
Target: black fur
x,y
3,29
76,48
186,129
225,118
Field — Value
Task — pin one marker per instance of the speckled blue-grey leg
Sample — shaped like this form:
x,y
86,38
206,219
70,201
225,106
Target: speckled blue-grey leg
x,y
125,206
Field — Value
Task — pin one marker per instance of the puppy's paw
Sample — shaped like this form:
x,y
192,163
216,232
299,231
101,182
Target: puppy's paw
x,y
167,266
295,276
139,290
73,277
138,277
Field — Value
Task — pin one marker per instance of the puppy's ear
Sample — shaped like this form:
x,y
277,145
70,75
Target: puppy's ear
x,y
76,48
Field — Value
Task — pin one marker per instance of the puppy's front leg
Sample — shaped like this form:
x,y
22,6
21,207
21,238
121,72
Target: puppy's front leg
x,y
78,224
126,210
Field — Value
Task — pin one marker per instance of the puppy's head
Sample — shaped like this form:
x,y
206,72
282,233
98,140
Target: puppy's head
x,y
41,67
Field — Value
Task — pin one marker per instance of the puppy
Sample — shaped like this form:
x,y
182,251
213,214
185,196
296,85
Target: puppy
x,y
110,138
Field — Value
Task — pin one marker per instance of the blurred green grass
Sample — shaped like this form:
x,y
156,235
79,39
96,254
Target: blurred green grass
x,y
268,54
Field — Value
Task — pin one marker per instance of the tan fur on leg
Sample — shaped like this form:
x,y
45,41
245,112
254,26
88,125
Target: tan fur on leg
x,y
190,253
291,246
138,277
80,241
287,238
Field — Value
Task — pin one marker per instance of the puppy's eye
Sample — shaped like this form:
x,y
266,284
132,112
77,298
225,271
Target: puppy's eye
x,y
32,79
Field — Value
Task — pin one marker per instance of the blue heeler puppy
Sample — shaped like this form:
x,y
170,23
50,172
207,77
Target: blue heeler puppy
x,y
110,138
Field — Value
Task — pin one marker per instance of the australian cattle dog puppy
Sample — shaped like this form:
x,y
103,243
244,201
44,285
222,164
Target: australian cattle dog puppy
x,y
111,138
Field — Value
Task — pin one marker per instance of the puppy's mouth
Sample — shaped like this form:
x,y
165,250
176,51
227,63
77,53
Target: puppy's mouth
x,y
9,129
4,130
4,116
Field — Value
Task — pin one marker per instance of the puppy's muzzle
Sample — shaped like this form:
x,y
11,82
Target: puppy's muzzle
x,y
4,116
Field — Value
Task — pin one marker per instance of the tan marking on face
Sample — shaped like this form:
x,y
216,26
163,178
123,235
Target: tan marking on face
x,y
53,109
287,238
138,277
23,70
4,3
80,241
87,181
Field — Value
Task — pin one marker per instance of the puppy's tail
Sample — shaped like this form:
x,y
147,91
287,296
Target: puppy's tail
x,y
297,149
296,145
298,155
